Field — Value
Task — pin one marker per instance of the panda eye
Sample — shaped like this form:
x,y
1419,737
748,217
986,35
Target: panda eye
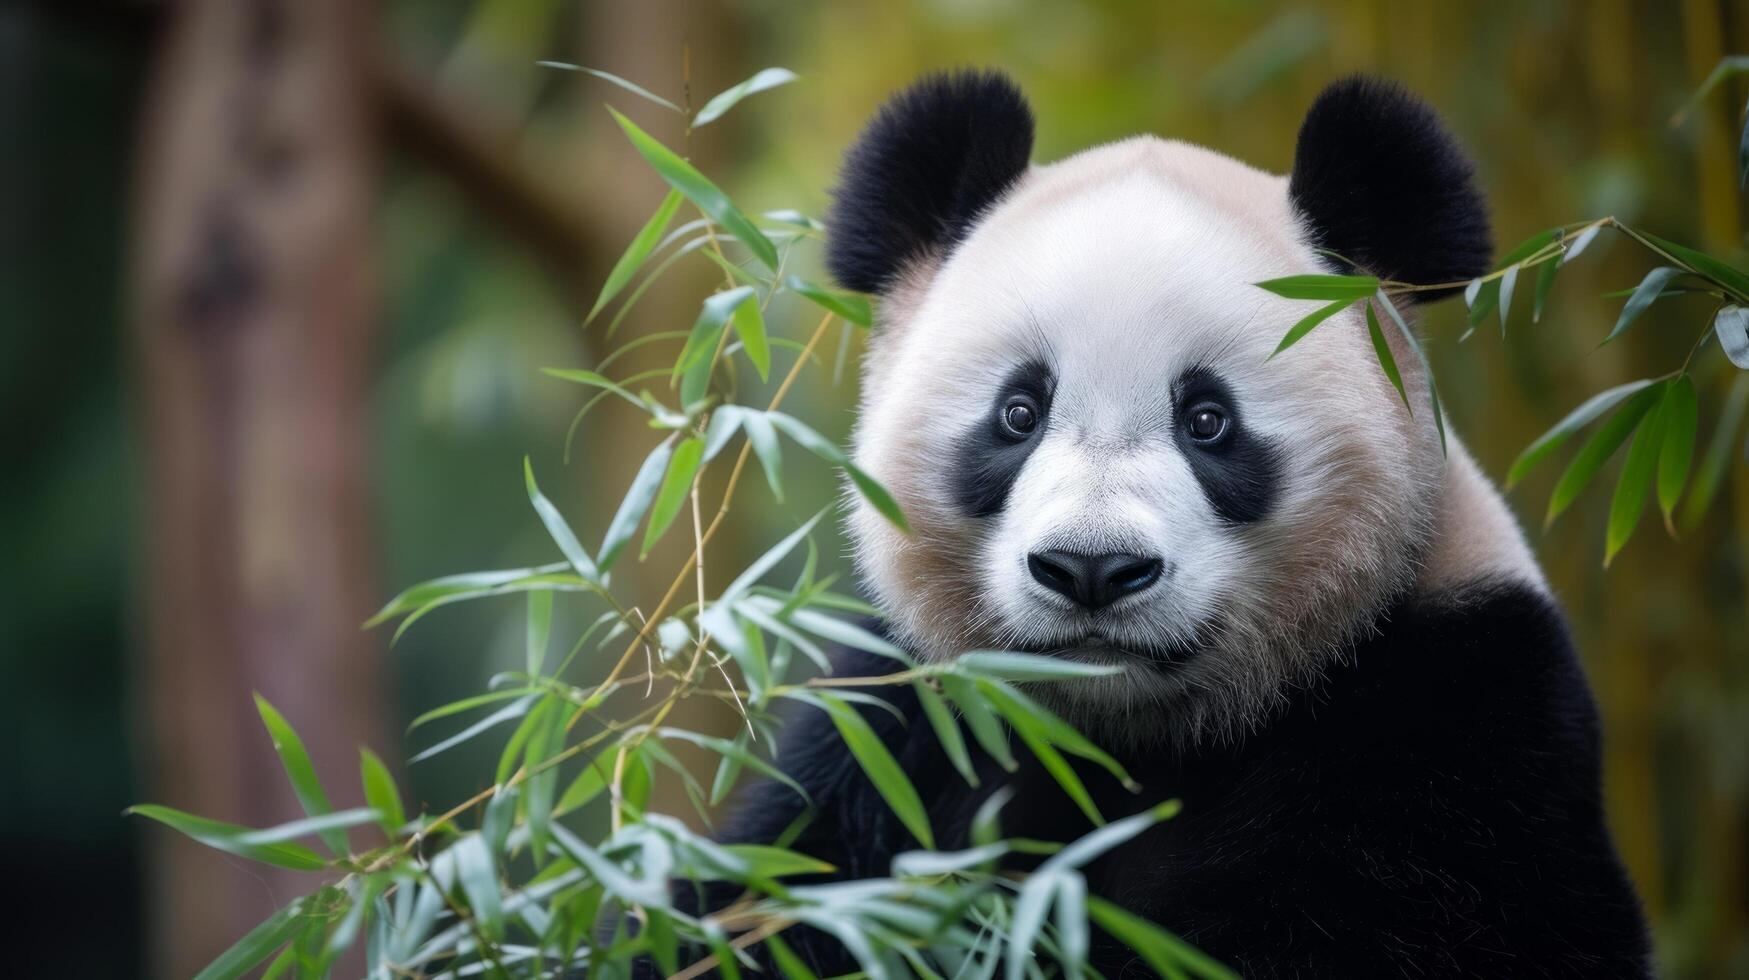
x,y
1019,416
1206,423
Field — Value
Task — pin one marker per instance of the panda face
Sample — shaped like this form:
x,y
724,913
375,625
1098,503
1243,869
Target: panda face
x,y
1077,407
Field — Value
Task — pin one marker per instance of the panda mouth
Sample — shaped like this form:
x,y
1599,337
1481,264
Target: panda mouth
x,y
1096,647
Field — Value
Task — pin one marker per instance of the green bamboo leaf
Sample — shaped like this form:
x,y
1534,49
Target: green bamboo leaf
x,y
734,271
1009,666
515,710
672,497
1386,360
1545,283
1580,243
292,830
631,87
1717,459
454,587
1062,772
587,785
380,793
980,719
540,628
750,327
1733,279
635,503
557,529
228,837
469,703
1597,450
1030,908
1322,287
880,766
1508,283
1421,355
762,435
636,253
300,771
1680,411
849,634
683,177
1027,715
725,422
1312,319
1643,296
850,306
765,861
725,100
1073,936
947,730
766,562
258,944
786,959
713,318
594,380
1563,430
819,445
479,880
1731,326
728,749
1634,485
1164,952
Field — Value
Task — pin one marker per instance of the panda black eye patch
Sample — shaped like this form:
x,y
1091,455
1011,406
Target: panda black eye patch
x,y
1238,469
991,453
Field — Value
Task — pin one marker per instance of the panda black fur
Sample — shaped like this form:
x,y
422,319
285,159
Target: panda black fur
x,y
1345,665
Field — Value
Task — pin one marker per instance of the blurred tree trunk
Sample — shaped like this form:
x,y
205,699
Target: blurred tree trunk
x,y
255,306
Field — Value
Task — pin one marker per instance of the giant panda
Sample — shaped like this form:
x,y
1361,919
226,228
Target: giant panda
x,y
1338,650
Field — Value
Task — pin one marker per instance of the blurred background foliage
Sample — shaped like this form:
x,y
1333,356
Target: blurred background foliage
x,y
480,280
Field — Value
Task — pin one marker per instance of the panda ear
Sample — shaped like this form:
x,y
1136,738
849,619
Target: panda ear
x,y
928,165
1380,181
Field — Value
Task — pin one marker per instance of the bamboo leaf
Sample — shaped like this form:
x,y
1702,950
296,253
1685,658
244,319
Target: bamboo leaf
x,y
594,380
750,327
1563,430
1387,361
762,435
1733,279
725,100
635,503
683,177
1680,411
540,628
1508,283
300,771
672,496
1426,367
1634,485
766,562
230,838
819,445
947,730
1545,282
1322,287
1717,459
636,253
1580,243
258,944
1299,330
1731,326
515,710
1643,296
850,306
631,87
1597,450
765,861
1009,666
380,793
479,880
879,765
986,728
1164,952
557,529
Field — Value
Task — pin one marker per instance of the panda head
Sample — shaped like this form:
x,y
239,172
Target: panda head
x,y
1070,392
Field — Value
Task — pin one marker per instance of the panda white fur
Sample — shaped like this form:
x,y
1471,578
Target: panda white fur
x,y
1339,652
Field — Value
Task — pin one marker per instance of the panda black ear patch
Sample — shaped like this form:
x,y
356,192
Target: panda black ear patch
x,y
925,168
1382,182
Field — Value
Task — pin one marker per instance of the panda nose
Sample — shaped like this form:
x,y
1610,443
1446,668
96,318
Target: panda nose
x,y
1093,581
